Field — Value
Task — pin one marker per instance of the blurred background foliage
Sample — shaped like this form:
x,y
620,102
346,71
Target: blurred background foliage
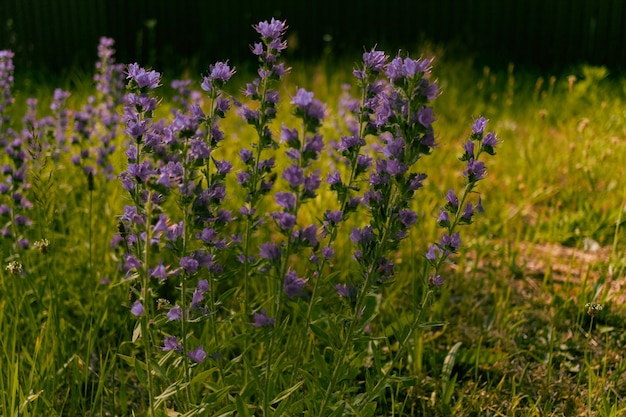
x,y
57,35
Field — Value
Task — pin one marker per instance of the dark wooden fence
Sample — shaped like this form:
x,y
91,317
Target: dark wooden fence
x,y
61,33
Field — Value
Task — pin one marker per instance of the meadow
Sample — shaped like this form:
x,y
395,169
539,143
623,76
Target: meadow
x,y
263,242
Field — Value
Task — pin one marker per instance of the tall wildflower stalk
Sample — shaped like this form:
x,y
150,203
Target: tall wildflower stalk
x,y
398,112
166,161
136,225
258,178
14,203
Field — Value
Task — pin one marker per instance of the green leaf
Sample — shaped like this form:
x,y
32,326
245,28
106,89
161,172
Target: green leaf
x,y
370,308
242,408
286,393
141,371
168,392
432,324
448,362
448,390
137,331
320,333
128,359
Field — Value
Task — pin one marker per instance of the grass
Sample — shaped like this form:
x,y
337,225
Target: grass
x,y
517,338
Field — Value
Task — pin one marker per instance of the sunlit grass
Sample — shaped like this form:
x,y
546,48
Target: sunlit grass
x,y
518,339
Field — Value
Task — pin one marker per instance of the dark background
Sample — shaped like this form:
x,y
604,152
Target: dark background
x,y
55,35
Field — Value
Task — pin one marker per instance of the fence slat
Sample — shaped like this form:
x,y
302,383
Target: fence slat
x,y
55,33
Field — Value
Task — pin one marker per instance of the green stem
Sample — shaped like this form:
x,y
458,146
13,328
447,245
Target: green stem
x,y
147,300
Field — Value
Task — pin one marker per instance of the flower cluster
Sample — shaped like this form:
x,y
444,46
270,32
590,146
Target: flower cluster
x,y
288,243
14,203
257,177
458,211
174,161
109,78
6,83
395,108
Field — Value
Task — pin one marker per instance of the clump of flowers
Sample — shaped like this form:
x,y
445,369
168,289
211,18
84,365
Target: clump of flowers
x,y
14,203
226,260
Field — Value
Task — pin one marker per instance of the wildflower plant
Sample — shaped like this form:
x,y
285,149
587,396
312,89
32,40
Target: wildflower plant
x,y
14,202
266,271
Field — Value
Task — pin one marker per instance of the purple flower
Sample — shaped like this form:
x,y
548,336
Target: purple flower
x,y
468,213
363,163
350,143
430,254
425,116
346,291
131,263
328,252
270,251
286,221
243,177
374,60
412,67
311,184
286,200
395,147
222,106
246,156
293,285
175,313
314,145
171,343
416,181
469,151
382,109
451,243
223,167
302,98
175,232
307,236
394,69
334,178
435,280
198,149
251,116
353,203
189,264
136,128
221,71
196,298
444,218
267,164
257,49
479,206
197,355
137,309
394,167
333,216
159,272
290,136
489,143
262,320
478,128
143,78
203,285
294,175
362,236
452,201
407,217
475,170
272,30
141,172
